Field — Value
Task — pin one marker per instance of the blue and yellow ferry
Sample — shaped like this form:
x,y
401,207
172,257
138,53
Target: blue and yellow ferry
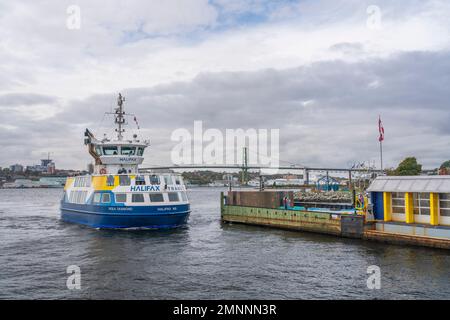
x,y
117,194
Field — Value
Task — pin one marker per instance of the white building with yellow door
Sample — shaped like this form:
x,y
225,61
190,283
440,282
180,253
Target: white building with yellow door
x,y
416,205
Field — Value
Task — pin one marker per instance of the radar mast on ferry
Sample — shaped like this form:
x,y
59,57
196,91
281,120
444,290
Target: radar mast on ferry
x,y
119,117
106,153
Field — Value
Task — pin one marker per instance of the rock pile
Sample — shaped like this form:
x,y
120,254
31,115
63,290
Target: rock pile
x,y
331,197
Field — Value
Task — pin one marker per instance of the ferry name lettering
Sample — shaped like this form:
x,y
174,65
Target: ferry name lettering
x,y
127,159
174,188
167,209
120,209
145,188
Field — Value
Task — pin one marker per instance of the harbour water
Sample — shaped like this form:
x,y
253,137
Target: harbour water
x,y
204,260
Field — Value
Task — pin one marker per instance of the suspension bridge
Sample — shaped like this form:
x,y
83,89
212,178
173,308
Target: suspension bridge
x,y
245,167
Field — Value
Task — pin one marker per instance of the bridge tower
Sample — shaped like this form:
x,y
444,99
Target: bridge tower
x,y
244,172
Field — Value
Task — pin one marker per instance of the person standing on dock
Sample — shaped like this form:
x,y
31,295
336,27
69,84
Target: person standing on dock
x,y
285,203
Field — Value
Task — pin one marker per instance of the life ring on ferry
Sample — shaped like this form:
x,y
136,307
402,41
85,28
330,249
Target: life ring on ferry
x,y
102,171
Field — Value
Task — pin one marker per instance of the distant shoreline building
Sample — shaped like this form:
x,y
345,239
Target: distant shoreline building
x,y
16,168
46,166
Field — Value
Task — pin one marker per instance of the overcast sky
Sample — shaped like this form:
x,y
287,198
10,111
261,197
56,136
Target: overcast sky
x,y
320,71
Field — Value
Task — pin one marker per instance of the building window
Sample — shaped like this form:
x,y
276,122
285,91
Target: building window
x,y
398,202
110,181
173,197
110,151
444,204
124,180
106,198
127,151
140,180
137,197
421,203
156,197
121,197
154,180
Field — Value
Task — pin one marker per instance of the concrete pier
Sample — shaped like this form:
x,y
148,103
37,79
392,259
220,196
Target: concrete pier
x,y
321,220
334,223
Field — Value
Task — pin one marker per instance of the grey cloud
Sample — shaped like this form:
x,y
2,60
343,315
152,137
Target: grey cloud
x,y
347,47
327,112
19,99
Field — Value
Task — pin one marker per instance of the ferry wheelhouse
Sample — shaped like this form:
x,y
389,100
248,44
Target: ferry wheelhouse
x,y
117,194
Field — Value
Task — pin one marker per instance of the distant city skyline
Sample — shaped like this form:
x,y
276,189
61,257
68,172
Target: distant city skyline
x,y
321,72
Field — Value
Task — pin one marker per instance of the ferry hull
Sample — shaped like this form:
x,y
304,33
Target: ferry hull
x,y
133,218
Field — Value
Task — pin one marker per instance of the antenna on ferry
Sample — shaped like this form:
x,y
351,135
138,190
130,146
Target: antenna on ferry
x,y
119,114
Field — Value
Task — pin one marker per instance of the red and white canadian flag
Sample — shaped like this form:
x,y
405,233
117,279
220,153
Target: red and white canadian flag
x,y
380,129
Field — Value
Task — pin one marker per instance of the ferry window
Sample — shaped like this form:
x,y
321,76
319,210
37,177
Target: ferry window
x,y
124,180
140,180
106,198
154,179
137,197
183,196
98,150
156,197
140,151
177,180
97,197
128,151
82,182
110,151
167,180
121,197
110,181
84,196
173,197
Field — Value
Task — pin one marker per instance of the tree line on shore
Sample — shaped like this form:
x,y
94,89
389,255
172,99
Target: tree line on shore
x,y
410,167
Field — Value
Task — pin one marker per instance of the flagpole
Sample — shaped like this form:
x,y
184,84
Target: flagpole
x,y
380,139
381,155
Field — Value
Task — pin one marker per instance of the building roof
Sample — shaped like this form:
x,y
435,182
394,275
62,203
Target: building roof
x,y
437,184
